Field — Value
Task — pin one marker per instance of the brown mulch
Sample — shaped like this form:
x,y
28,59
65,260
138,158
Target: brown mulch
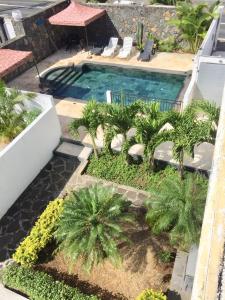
x,y
140,269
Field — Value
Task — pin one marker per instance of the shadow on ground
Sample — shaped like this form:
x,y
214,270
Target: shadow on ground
x,y
20,218
84,286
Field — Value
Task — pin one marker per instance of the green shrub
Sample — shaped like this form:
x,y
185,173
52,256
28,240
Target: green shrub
x,y
149,294
115,168
42,232
167,45
39,285
165,256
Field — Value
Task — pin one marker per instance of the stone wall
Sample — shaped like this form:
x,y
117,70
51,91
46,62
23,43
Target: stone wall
x,y
122,20
35,34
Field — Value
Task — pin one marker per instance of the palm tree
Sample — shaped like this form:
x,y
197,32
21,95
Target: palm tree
x,y
177,208
148,125
193,22
121,118
91,225
211,110
92,118
187,132
12,120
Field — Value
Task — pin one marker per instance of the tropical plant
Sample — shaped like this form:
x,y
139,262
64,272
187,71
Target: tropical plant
x,y
187,132
11,116
178,209
39,285
120,118
148,125
91,119
91,225
168,45
211,110
193,22
150,294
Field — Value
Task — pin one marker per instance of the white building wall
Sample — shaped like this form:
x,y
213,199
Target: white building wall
x,y
210,81
28,153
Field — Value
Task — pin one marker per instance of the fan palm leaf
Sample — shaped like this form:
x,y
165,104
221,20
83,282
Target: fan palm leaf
x,y
178,209
91,225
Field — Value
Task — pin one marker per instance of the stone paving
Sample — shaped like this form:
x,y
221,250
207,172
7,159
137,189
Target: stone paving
x,y
20,218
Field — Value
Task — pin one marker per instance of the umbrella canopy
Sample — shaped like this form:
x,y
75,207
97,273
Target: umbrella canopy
x,y
76,15
10,60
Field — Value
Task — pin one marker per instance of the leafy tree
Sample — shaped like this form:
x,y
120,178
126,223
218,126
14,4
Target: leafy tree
x,y
193,22
187,132
177,208
91,225
148,126
92,118
12,120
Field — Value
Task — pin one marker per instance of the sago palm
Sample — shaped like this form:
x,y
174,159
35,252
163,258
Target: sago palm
x,y
91,119
187,133
12,121
148,125
177,208
91,225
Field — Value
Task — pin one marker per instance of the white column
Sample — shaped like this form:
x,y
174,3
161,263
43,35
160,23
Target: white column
x,y
109,97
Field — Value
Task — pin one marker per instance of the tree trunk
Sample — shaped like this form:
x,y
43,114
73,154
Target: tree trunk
x,y
151,161
181,164
94,146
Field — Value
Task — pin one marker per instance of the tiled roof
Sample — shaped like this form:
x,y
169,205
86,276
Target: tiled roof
x,y
11,59
76,15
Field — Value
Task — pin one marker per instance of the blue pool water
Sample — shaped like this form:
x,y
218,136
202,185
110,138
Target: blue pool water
x,y
91,81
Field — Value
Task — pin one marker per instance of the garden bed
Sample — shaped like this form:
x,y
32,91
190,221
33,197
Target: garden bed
x,y
136,176
141,267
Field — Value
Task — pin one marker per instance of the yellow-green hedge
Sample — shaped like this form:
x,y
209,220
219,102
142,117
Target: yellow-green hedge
x,y
149,294
42,232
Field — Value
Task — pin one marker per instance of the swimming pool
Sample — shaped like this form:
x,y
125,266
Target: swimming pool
x,y
91,81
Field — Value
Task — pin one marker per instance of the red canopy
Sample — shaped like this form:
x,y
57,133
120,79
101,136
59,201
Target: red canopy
x,y
76,15
10,60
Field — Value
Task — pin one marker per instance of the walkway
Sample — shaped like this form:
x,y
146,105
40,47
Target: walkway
x,y
20,218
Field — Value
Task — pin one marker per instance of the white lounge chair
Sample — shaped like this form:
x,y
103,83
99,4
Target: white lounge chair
x,y
125,51
111,48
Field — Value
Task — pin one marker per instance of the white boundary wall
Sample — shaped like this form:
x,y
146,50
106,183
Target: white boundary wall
x,y
28,153
208,72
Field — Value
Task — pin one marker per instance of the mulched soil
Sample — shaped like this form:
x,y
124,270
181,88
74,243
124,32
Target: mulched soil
x,y
140,269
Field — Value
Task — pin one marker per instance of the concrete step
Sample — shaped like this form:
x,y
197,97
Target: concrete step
x,y
73,150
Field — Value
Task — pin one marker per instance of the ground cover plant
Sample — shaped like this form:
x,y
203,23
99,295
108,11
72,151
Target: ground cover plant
x,y
39,285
